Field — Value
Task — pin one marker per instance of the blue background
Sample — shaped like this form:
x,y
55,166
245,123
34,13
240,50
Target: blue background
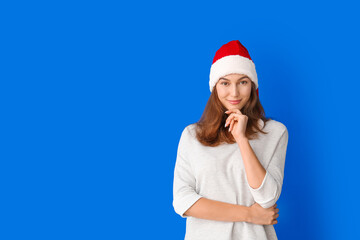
x,y
95,94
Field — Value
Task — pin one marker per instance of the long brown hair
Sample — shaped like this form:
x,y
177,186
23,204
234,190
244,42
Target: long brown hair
x,y
210,129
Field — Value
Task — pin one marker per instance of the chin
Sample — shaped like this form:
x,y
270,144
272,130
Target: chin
x,y
232,107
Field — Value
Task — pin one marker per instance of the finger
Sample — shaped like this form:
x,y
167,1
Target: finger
x,y
275,222
238,111
276,215
234,110
231,125
233,115
229,118
276,210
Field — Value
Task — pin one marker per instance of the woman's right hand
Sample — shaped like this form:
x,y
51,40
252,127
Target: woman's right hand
x,y
263,216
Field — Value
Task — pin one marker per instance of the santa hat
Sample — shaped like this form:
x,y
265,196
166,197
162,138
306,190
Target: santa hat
x,y
232,57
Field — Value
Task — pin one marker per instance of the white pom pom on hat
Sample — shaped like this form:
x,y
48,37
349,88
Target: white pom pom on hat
x,y
232,57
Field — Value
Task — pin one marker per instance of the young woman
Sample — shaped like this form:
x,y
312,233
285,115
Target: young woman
x,y
230,164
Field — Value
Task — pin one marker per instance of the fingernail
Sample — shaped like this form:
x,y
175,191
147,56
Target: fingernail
x,y
225,124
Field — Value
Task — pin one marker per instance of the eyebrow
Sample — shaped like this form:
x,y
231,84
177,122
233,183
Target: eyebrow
x,y
237,80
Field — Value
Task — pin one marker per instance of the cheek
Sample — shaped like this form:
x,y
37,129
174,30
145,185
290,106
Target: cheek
x,y
221,92
246,91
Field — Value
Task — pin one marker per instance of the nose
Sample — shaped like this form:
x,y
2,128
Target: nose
x,y
234,90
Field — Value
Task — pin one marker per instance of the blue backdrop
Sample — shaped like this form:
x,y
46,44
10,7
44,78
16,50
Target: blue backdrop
x,y
95,94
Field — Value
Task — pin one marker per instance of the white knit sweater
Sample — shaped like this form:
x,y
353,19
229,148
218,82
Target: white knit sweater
x,y
218,173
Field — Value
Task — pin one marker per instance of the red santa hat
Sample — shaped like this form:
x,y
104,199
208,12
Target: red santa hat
x,y
232,57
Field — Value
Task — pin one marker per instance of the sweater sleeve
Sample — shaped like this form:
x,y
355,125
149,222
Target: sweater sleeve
x,y
184,194
269,191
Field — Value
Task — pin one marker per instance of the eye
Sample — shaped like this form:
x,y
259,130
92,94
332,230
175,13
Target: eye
x,y
223,83
244,82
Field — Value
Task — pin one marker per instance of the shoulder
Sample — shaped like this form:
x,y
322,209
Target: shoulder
x,y
187,139
189,130
276,127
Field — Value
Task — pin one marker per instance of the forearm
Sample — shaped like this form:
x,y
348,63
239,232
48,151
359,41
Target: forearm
x,y
255,172
220,211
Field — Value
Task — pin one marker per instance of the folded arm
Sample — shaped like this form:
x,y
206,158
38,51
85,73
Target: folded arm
x,y
187,202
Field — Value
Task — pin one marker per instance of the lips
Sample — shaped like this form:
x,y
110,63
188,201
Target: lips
x,y
235,102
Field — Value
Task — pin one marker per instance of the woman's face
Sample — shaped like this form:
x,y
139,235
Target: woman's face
x,y
232,88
